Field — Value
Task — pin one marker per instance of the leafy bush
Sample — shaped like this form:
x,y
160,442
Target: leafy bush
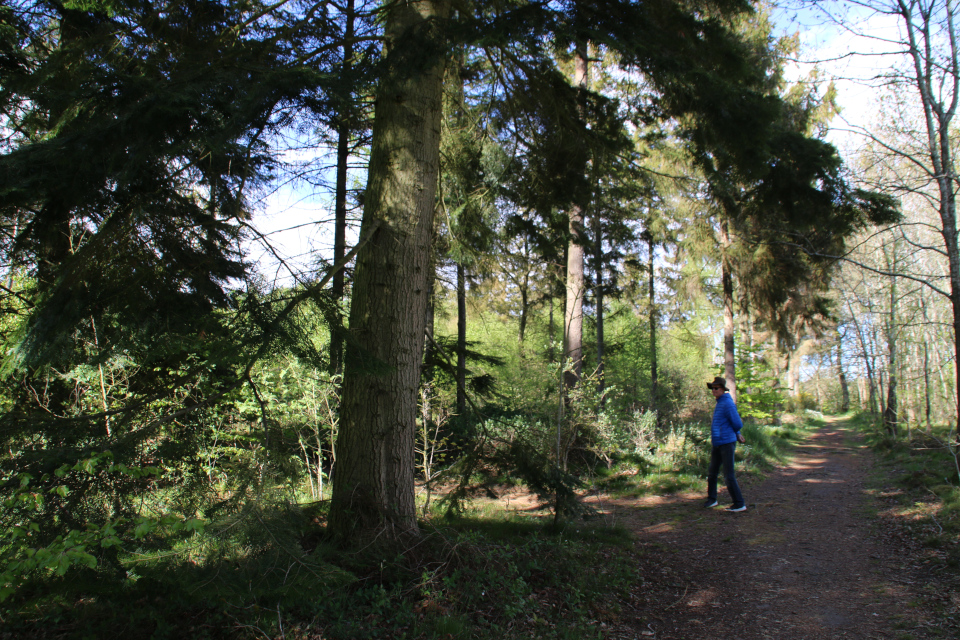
x,y
25,555
760,396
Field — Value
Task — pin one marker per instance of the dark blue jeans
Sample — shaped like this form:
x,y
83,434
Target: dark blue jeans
x,y
723,455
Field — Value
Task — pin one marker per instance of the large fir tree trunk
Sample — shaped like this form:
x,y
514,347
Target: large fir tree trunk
x,y
573,312
373,490
729,360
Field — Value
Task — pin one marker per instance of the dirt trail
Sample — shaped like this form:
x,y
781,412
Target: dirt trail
x,y
801,563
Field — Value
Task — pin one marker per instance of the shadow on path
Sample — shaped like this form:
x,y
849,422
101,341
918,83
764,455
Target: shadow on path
x,y
799,564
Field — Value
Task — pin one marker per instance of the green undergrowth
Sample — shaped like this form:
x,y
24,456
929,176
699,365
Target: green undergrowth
x,y
679,459
274,576
267,571
918,474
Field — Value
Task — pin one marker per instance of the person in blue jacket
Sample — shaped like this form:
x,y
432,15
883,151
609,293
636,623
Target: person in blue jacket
x,y
724,436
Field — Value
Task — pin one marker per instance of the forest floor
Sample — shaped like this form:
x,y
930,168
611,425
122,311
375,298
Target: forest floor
x,y
812,557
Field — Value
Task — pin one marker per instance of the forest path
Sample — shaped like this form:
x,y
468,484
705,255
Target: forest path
x,y
801,563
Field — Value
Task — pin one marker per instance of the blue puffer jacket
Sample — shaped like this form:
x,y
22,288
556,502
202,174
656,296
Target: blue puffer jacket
x,y
726,422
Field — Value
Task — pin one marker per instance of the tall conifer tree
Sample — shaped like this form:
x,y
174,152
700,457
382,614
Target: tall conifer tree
x,y
701,73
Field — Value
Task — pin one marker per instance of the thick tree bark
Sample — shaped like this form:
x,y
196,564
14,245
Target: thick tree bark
x,y
373,491
729,359
573,313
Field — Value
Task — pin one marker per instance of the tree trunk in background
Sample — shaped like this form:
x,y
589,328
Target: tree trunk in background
x,y
746,327
573,313
890,415
929,33
926,385
842,376
427,376
552,329
941,361
776,386
817,389
948,216
373,490
866,359
654,369
429,328
598,297
788,355
880,396
461,341
926,365
344,129
525,296
729,359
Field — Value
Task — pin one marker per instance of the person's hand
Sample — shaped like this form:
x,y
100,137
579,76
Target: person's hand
x,y
740,438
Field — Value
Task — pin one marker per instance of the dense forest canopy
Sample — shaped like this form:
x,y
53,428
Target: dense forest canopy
x,y
567,216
